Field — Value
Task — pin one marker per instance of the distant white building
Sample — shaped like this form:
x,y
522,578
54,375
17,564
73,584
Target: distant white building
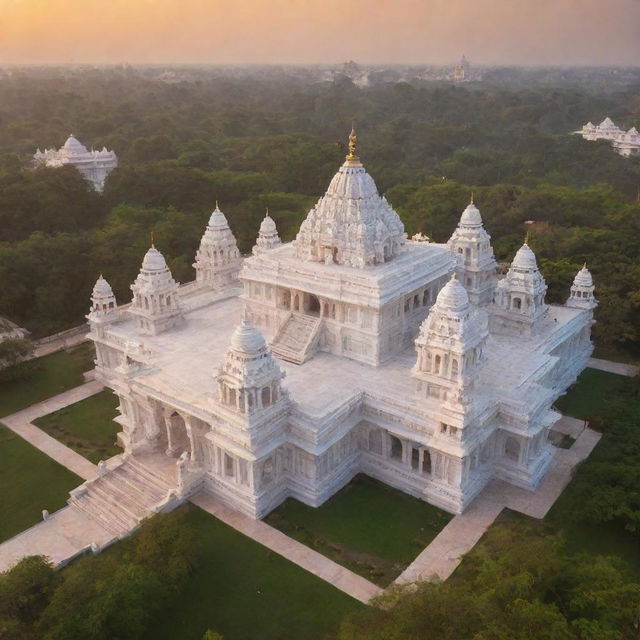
x,y
626,143
462,70
349,350
95,166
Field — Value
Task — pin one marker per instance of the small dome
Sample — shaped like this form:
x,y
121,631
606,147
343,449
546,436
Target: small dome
x,y
247,338
471,216
217,219
453,296
583,278
74,145
525,258
154,261
102,289
268,226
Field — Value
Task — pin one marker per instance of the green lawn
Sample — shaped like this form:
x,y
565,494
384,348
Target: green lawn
x,y
45,377
244,591
585,398
86,426
29,482
370,528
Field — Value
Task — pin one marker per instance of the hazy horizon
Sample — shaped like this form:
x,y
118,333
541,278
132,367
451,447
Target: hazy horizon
x,y
308,32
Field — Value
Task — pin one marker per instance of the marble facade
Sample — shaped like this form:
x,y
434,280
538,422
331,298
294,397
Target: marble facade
x,y
350,349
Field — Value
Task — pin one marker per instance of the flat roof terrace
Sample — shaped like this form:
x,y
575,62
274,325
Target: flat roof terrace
x,y
183,361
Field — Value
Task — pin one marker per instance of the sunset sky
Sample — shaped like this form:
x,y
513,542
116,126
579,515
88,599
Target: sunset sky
x,y
320,31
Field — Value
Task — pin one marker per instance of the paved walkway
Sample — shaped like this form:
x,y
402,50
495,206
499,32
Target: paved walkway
x,y
440,559
61,537
68,339
20,423
354,585
620,368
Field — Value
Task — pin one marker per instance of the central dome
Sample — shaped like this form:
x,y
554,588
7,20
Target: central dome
x,y
471,216
351,224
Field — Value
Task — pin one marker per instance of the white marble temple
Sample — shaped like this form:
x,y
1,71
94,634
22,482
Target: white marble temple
x,y
626,143
94,165
348,350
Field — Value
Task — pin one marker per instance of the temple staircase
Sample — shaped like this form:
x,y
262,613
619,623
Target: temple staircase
x,y
119,498
297,339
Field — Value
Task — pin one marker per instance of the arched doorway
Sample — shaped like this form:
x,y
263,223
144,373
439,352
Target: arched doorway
x,y
312,306
177,436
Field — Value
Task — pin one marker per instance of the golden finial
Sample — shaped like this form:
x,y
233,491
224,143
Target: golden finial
x,y
352,157
584,266
266,213
153,246
526,238
471,198
217,207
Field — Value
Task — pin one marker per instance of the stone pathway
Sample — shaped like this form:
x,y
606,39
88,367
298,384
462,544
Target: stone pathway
x,y
440,559
20,423
620,368
352,584
61,537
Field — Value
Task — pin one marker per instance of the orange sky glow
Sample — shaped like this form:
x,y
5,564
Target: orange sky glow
x,y
320,31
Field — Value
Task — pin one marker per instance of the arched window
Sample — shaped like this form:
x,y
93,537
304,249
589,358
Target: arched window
x,y
266,396
454,367
436,364
396,448
267,471
517,304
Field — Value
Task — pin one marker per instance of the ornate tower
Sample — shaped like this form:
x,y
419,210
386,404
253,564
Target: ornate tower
x,y
249,376
218,260
519,297
450,345
351,224
476,265
103,303
268,237
582,289
156,304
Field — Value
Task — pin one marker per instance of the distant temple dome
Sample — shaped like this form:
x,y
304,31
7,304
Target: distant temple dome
x,y
247,338
154,261
74,146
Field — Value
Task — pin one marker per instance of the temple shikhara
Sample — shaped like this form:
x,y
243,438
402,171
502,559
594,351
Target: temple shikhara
x,y
351,349
626,143
95,166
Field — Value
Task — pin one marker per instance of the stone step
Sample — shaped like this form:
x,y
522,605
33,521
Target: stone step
x,y
104,521
119,501
149,475
97,506
140,484
134,502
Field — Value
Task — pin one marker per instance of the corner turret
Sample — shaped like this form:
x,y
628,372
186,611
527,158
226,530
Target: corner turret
x,y
582,290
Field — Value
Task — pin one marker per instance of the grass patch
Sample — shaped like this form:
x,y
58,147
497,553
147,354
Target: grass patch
x,y
44,377
372,529
29,482
244,591
86,426
586,396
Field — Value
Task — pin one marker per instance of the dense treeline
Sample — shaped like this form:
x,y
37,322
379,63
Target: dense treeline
x,y
253,142
112,595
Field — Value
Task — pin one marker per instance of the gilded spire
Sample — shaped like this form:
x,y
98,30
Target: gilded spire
x,y
471,201
352,157
153,245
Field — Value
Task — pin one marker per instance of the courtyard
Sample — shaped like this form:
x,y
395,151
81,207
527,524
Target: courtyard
x,y
368,527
